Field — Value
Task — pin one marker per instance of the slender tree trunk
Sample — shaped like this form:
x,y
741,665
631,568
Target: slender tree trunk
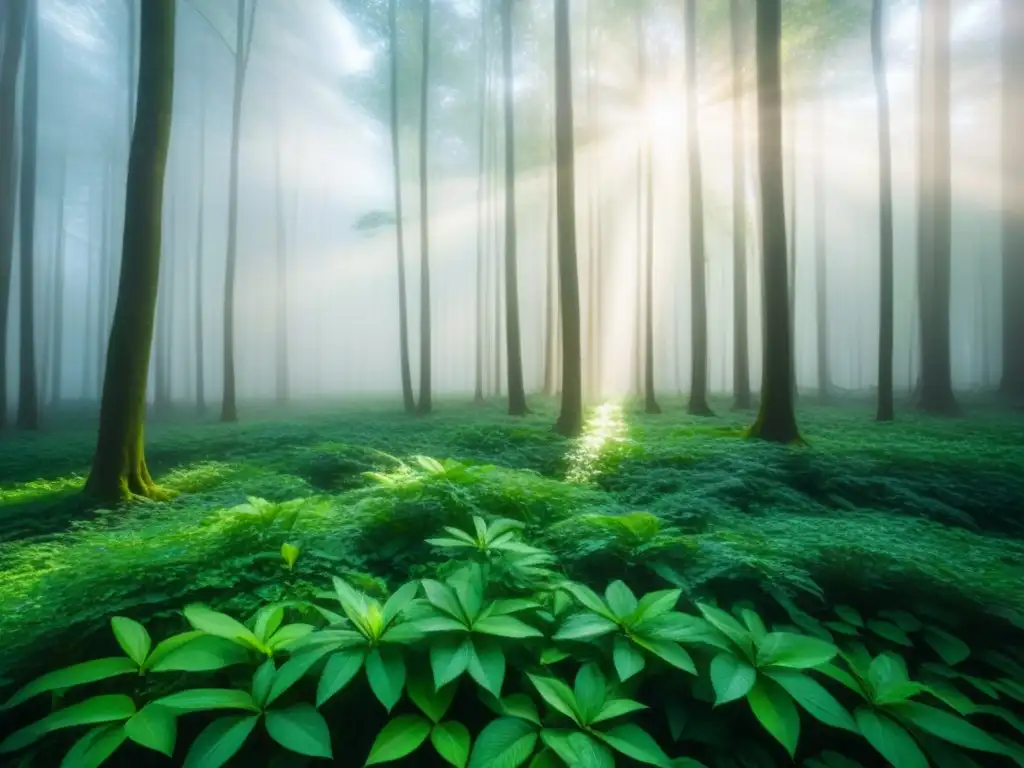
x,y
426,403
638,341
55,393
478,378
776,420
1012,383
570,420
550,286
698,266
28,393
741,351
119,468
793,233
885,224
281,347
820,256
200,251
161,397
513,343
408,398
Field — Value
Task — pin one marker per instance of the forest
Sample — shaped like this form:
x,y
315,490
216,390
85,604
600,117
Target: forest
x,y
500,383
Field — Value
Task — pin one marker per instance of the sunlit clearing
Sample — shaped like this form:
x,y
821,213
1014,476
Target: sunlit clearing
x,y
606,425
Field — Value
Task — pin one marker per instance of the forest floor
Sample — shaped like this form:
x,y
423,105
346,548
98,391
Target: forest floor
x,y
922,513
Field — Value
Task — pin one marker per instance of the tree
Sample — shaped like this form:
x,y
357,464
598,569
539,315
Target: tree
x,y
513,345
426,404
408,400
698,280
1012,382
885,219
28,394
478,379
57,308
820,256
198,297
14,14
570,419
934,211
776,419
741,352
243,47
281,347
119,469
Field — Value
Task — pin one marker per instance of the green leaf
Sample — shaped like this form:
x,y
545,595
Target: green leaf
x,y
842,628
507,606
681,628
628,660
132,637
520,705
814,698
98,709
487,665
557,695
731,677
261,681
289,553
589,691
634,742
268,619
897,692
586,597
300,729
202,699
889,739
338,671
218,624
505,626
951,650
670,652
729,627
220,741
433,624
905,621
446,543
890,632
546,759
849,615
844,678
353,604
946,726
400,600
655,604
449,658
69,677
584,626
785,649
469,589
775,710
443,598
153,727
93,749
434,703
620,599
198,653
293,670
754,625
451,740
385,670
578,750
616,708
553,655
288,636
506,742
951,697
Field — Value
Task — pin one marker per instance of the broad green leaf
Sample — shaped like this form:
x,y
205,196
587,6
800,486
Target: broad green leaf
x,y
1004,714
93,749
432,702
620,599
617,708
338,671
153,727
132,637
905,621
449,658
446,543
487,665
849,615
353,604
951,697
946,726
507,606
289,553
202,699
171,643
402,633
268,619
400,600
943,754
951,650
505,626
451,740
385,670
288,636
300,729
842,628
585,626
588,598
199,653
98,709
501,526
754,624
218,624
220,741
546,758
69,677
775,710
890,632
553,655
557,695
655,604
890,739
897,692
670,652
589,691
634,742
578,750
520,705
433,624
729,627
844,678
887,669
628,660
469,589
506,742
293,670
261,681
814,698
681,628
731,677
461,535
443,598
784,649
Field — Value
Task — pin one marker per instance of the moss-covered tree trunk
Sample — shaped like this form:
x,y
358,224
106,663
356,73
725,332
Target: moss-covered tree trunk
x,y
425,404
885,410
119,469
776,419
741,344
1012,383
570,419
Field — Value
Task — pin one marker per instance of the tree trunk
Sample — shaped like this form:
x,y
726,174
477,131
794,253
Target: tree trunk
x,y
161,395
28,393
1012,383
570,419
741,352
698,267
119,469
820,256
550,286
513,344
55,393
793,232
426,404
198,297
776,420
281,346
478,365
885,327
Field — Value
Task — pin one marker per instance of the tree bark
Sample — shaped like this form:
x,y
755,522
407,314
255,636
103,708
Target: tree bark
x,y
198,297
56,391
570,419
741,351
820,256
119,469
885,410
426,403
776,420
478,365
1012,382
550,286
281,340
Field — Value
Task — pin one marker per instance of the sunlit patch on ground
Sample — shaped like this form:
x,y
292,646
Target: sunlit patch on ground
x,y
605,426
40,490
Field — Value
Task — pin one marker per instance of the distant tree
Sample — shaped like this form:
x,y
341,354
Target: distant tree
x,y
885,220
281,287
570,419
164,321
426,403
119,468
56,391
1012,382
820,254
478,332
741,352
197,297
551,289
776,420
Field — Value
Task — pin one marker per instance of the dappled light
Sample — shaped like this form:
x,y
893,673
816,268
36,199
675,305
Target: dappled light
x,y
605,427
